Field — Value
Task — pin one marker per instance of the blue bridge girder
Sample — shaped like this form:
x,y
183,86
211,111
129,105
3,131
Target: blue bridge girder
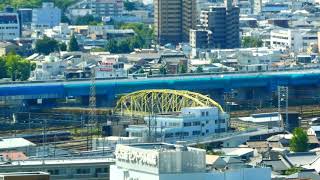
x,y
111,88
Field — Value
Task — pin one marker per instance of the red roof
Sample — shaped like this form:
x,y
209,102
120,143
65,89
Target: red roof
x,y
14,155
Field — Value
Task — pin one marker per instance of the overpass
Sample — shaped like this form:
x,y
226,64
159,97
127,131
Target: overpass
x,y
262,85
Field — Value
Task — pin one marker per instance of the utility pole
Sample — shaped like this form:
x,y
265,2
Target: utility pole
x,y
92,106
283,98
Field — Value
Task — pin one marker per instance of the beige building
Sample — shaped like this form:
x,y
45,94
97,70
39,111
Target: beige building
x,y
173,20
189,18
168,27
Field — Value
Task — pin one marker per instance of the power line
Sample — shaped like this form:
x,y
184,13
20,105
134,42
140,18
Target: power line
x,y
92,106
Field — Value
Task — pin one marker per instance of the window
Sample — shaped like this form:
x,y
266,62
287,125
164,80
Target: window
x,y
83,171
54,172
207,131
207,122
168,135
202,113
197,123
187,124
195,133
207,113
98,170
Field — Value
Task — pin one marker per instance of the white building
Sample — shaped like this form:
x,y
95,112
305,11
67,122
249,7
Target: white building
x,y
50,67
18,144
192,122
314,131
110,67
259,59
296,40
109,143
9,26
264,119
171,162
47,16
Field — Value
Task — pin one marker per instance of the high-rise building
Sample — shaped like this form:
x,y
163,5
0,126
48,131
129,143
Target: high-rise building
x,y
223,22
173,20
168,25
189,18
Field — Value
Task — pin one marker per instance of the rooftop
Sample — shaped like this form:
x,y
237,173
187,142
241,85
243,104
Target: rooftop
x,y
315,128
160,147
262,118
12,143
61,161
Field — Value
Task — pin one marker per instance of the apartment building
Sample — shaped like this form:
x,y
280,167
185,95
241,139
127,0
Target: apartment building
x,y
296,40
223,22
9,26
107,8
191,123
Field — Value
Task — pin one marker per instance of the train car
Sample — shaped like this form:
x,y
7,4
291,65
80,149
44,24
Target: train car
x,y
53,136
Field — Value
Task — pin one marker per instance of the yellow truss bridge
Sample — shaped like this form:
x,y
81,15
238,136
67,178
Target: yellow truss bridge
x,y
145,102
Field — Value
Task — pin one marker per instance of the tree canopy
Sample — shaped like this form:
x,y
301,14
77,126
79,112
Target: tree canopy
x,y
249,42
63,4
199,69
73,44
129,6
141,39
15,67
88,20
46,45
299,141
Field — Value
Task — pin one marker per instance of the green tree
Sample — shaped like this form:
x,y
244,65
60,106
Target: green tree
x,y
124,46
63,4
112,46
46,45
129,6
88,20
141,71
65,19
199,69
182,68
143,34
3,69
163,70
299,141
249,42
73,44
292,170
62,47
17,68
